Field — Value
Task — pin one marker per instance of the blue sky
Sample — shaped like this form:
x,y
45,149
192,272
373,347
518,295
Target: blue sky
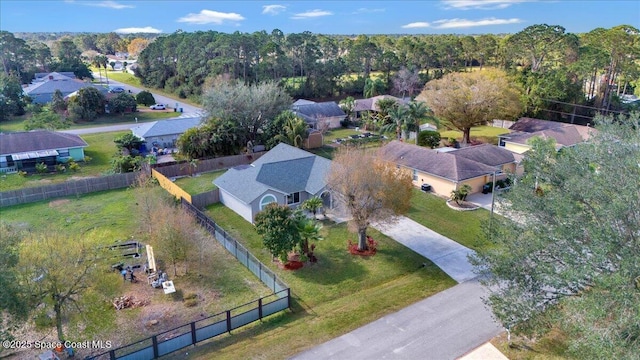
x,y
322,17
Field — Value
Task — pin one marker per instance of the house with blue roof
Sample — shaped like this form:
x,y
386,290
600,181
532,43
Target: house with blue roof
x,y
285,175
164,133
44,85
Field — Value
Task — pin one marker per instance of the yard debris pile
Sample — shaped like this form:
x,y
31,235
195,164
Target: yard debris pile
x,y
124,302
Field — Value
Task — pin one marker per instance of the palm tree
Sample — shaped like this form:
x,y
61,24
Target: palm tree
x,y
309,231
312,204
294,132
347,104
399,121
419,110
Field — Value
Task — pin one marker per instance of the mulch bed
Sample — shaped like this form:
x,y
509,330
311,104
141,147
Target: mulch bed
x,y
371,248
293,265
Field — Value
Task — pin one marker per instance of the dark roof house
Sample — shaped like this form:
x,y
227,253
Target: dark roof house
x,y
44,85
527,128
164,133
321,114
22,150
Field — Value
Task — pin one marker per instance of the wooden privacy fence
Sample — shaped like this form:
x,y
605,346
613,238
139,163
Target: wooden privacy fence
x,y
171,188
185,168
218,324
67,188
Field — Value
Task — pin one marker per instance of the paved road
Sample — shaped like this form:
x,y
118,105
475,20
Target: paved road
x,y
189,111
444,326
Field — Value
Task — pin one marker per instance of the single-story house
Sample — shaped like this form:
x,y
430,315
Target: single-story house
x,y
23,150
319,115
447,171
164,133
527,128
286,175
361,106
42,87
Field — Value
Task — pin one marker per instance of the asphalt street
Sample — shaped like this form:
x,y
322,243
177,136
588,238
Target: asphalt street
x,y
444,326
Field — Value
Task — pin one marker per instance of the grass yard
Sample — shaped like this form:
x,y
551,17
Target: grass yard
x,y
463,227
339,133
101,149
483,133
219,280
200,183
551,346
324,151
336,295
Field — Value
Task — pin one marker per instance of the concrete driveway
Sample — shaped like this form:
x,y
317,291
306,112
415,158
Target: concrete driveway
x,y
450,256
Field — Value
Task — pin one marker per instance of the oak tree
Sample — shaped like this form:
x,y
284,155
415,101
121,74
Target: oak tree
x,y
465,100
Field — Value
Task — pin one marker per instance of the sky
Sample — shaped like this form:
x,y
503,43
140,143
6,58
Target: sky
x,y
320,17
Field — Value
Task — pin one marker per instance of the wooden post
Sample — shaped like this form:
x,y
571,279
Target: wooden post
x,y
154,339
229,321
193,333
260,308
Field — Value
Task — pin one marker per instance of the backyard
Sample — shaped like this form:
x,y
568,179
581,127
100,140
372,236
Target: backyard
x,y
487,134
220,282
101,149
199,183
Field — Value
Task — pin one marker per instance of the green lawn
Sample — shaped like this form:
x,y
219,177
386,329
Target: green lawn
x,y
483,133
464,227
101,149
325,151
336,295
339,133
198,184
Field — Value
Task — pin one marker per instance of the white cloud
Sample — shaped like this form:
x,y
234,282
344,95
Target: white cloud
x,y
481,4
367,10
135,30
311,14
107,4
210,17
416,25
464,23
273,9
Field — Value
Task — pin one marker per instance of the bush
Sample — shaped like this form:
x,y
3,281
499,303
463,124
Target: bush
x,y
60,168
22,173
145,98
41,168
87,159
73,166
429,138
345,123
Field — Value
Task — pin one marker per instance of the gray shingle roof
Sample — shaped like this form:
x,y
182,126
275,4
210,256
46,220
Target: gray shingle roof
x,y
315,111
284,168
39,140
42,92
564,136
165,127
445,165
532,125
487,154
371,104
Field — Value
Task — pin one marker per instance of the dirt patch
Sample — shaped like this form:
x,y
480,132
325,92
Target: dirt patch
x,y
56,203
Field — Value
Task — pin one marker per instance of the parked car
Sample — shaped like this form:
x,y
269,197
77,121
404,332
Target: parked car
x,y
157,107
116,90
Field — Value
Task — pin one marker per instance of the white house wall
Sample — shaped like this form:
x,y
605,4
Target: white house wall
x,y
236,205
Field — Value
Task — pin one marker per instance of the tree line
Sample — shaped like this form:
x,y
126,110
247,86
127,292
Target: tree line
x,y
555,68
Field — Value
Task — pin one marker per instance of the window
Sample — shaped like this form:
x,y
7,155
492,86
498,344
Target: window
x,y
293,198
415,175
63,152
266,200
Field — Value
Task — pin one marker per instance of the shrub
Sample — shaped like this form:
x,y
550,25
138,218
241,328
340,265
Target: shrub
x,y
345,123
145,98
74,166
22,173
60,168
429,138
41,168
87,159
